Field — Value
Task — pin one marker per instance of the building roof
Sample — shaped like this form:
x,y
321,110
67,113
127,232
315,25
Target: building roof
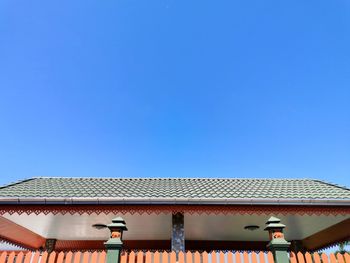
x,y
174,191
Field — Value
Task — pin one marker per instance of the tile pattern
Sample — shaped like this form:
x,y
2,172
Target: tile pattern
x,y
166,188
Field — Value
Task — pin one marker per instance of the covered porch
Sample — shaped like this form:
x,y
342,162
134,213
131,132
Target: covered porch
x,y
177,227
115,252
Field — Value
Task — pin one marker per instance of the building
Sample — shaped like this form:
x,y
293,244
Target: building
x,y
172,214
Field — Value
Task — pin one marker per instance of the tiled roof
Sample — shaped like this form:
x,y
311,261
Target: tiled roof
x,y
176,190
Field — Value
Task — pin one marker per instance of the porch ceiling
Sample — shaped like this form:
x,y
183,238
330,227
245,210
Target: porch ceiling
x,y
158,226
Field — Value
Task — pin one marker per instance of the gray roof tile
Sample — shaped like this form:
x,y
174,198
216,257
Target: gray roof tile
x,y
174,188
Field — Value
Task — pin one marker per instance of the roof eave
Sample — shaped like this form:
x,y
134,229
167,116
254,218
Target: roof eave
x,y
172,201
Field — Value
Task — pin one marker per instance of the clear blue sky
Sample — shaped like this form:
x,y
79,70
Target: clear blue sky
x,y
175,88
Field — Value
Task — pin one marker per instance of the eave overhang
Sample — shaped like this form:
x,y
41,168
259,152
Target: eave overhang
x,y
172,201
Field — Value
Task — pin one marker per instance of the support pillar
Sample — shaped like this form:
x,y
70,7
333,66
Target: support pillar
x,y
278,245
50,244
297,246
178,233
114,244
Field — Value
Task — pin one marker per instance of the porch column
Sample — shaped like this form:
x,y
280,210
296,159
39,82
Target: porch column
x,y
178,233
114,244
296,246
50,244
278,245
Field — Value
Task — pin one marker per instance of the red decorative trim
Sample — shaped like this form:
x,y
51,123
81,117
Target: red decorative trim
x,y
333,245
158,209
129,245
332,235
19,235
21,246
65,245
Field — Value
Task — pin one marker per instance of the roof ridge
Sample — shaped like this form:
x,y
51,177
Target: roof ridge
x,y
16,182
332,184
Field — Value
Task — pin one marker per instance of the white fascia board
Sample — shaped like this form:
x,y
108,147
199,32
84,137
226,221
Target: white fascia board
x,y
174,201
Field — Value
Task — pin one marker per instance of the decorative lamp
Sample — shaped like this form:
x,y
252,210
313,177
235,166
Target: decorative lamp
x,y
114,244
278,245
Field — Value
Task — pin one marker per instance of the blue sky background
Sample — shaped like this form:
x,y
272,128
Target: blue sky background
x,y
175,88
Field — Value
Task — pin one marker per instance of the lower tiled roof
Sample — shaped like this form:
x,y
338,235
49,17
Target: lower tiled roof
x,y
129,190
